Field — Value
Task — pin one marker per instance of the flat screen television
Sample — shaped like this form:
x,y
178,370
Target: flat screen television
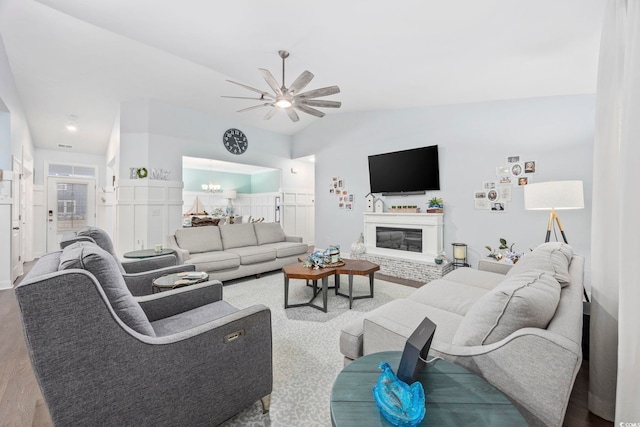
x,y
405,172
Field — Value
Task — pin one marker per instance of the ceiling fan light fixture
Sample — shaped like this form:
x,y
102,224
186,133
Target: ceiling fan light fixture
x,y
283,102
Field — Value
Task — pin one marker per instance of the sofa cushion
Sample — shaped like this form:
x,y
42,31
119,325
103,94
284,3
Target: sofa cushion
x,y
214,261
103,266
237,235
200,239
477,278
524,300
553,257
254,254
269,232
449,296
388,327
287,249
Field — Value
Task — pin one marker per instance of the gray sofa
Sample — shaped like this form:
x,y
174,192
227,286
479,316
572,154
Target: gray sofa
x,y
236,250
521,330
105,357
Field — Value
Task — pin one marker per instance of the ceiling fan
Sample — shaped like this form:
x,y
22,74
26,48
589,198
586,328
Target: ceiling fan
x,y
290,99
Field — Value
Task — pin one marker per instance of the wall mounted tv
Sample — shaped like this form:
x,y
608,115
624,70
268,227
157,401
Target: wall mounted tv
x,y
412,171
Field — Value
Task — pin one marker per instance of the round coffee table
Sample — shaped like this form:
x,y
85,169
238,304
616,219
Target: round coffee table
x,y
454,396
176,280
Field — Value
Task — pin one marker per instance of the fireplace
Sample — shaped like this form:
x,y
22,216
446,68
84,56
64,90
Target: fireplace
x,y
402,239
412,236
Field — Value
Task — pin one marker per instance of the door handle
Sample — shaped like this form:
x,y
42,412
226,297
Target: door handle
x,y
16,228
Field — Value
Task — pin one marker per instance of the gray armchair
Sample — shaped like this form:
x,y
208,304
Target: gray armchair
x,y
138,274
105,357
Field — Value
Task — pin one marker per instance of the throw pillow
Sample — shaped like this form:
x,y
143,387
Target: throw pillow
x,y
527,300
553,257
102,265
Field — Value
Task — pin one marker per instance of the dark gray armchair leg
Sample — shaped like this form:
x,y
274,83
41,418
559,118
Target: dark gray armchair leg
x,y
266,403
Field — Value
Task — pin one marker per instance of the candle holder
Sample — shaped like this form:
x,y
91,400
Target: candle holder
x,y
459,255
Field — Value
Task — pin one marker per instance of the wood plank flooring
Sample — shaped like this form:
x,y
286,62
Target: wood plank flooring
x,y
21,403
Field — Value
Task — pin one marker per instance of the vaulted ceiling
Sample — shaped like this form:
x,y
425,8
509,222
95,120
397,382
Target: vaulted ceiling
x,y
83,58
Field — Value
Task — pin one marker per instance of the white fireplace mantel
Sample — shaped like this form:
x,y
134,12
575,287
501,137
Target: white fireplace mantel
x,y
431,225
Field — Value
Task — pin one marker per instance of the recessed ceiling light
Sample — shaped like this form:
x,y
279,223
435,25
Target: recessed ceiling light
x,y
72,124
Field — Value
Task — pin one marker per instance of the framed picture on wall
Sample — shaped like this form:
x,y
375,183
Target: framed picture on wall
x,y
513,159
530,166
498,207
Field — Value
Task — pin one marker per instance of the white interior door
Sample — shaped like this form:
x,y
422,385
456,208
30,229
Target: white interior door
x,y
71,205
16,221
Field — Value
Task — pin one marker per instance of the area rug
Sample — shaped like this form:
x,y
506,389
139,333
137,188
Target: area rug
x,y
306,353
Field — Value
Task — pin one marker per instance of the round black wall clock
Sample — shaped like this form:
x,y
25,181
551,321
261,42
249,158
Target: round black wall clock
x,y
235,141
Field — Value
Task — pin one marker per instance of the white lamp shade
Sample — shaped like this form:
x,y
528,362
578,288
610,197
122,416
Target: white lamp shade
x,y
554,195
229,194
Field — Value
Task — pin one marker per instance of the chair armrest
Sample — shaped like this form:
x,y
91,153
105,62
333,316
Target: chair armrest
x,y
140,283
169,303
146,264
535,368
293,239
494,266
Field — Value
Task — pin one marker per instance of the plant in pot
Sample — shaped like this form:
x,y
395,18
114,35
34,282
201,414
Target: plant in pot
x,y
436,202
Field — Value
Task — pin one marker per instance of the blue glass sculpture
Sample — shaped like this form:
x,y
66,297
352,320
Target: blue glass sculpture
x,y
399,403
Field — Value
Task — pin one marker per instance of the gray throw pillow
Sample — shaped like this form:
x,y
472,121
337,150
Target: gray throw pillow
x,y
526,300
553,257
88,256
269,232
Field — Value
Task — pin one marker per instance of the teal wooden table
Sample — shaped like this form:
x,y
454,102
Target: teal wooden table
x,y
454,396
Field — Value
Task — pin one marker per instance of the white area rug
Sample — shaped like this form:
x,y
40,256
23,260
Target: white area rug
x,y
306,353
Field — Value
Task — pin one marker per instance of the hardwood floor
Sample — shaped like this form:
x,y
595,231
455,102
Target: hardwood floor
x,y
21,403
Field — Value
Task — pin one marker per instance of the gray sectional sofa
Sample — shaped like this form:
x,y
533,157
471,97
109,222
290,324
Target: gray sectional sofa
x,y
521,330
231,251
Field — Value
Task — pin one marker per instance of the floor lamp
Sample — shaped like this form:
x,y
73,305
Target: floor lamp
x,y
554,195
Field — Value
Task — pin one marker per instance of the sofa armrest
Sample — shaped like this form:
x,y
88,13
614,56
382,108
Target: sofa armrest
x,y
494,266
169,303
146,264
534,367
181,254
293,239
140,283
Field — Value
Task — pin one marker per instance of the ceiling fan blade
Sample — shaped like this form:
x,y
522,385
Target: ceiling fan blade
x,y
292,114
266,104
243,97
321,103
301,82
267,94
309,110
271,113
316,93
271,81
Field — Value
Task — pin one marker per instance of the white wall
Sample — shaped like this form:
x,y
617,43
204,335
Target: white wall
x,y
473,139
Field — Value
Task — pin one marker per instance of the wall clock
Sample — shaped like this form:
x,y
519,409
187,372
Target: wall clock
x,y
235,141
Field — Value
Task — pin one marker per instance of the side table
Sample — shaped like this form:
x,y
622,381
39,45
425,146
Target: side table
x,y
147,253
176,280
454,396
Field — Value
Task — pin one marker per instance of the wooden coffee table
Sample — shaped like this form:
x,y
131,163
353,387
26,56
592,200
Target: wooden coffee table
x,y
359,268
350,266
298,271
